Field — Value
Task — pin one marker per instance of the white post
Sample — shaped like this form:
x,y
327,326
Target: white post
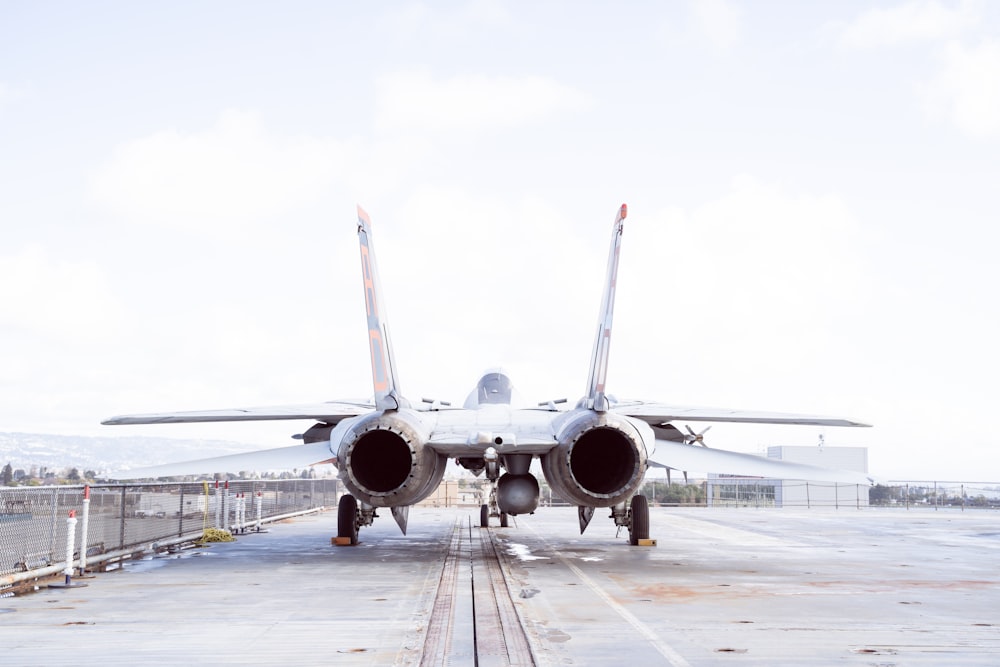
x,y
83,530
70,542
241,512
218,506
259,502
226,507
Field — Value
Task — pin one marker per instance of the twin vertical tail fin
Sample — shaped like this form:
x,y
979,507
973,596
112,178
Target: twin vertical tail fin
x,y
384,380
596,398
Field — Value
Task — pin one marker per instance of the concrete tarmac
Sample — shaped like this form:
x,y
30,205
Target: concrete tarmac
x,y
722,587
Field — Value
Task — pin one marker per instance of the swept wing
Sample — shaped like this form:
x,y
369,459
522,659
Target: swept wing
x,y
330,413
660,413
278,458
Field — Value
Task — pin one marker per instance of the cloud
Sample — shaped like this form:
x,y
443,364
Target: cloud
x,y
966,89
9,94
435,23
415,100
919,21
55,299
231,174
720,22
753,284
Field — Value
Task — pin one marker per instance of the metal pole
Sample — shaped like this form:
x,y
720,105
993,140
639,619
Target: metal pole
x,y
180,515
52,528
121,535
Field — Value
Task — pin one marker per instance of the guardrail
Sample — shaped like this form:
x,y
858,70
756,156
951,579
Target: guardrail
x,y
118,520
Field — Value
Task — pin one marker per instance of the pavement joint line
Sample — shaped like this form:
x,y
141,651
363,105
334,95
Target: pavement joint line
x,y
667,651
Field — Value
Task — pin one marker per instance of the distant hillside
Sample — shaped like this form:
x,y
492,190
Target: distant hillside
x,y
104,454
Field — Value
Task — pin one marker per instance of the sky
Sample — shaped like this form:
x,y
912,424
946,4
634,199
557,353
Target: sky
x,y
812,192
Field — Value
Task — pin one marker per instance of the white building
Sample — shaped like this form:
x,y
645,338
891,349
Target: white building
x,y
725,490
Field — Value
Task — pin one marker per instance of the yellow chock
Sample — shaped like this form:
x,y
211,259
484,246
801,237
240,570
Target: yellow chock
x,y
340,541
647,543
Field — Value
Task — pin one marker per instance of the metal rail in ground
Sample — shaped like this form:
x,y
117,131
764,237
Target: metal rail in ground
x,y
474,620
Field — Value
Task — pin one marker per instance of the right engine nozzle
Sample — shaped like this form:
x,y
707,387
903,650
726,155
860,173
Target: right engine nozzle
x,y
599,462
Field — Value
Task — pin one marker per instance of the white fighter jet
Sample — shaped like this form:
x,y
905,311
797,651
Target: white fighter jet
x,y
391,452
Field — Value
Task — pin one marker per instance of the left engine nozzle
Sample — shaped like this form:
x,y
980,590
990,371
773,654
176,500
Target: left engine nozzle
x,y
385,461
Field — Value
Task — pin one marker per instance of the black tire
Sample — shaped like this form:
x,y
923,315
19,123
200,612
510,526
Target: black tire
x,y
639,524
484,516
347,518
503,519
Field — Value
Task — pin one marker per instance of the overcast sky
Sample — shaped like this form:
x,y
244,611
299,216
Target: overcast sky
x,y
812,191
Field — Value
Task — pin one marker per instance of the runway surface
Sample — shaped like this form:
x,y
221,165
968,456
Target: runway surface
x,y
722,587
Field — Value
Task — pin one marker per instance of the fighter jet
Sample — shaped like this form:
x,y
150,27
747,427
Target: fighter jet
x,y
391,452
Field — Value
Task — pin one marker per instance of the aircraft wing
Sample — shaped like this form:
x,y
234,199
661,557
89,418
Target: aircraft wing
x,y
693,457
279,458
657,414
331,413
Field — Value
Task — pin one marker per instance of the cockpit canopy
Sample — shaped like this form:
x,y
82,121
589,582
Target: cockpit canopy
x,y
493,387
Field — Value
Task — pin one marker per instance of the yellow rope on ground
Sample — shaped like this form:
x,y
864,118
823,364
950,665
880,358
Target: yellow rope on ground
x,y
215,535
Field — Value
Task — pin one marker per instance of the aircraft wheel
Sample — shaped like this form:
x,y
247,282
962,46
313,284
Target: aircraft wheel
x,y
484,516
347,518
639,524
503,519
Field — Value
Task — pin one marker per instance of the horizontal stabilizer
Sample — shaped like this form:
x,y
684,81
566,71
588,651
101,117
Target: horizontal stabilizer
x,y
331,413
279,458
690,457
660,413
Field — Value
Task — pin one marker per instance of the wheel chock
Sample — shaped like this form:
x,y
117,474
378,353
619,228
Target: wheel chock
x,y
647,543
340,541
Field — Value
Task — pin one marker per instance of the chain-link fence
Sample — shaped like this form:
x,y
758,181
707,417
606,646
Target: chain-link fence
x,y
732,491
115,519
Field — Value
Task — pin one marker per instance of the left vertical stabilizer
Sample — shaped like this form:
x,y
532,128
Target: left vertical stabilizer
x,y
384,380
596,397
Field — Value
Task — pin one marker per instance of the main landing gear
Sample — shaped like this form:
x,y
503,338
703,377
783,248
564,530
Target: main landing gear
x,y
634,517
350,517
638,525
